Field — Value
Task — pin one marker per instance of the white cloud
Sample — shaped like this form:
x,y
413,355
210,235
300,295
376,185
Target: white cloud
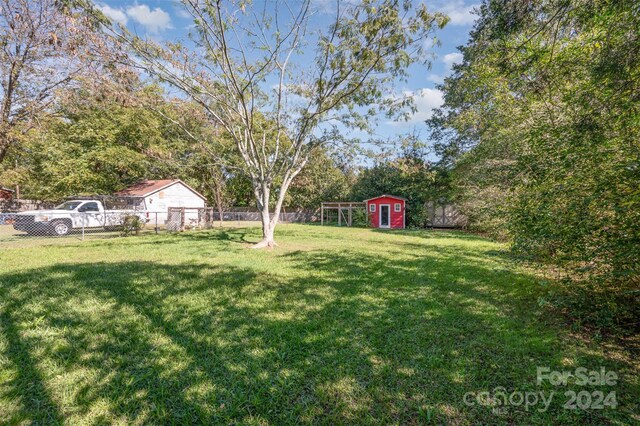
x,y
459,13
451,58
425,101
181,12
154,20
116,15
436,78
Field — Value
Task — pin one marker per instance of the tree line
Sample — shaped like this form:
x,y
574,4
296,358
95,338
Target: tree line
x,y
264,103
540,130
99,142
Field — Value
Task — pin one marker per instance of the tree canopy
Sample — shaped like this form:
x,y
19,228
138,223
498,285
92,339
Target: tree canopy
x,y
540,123
45,46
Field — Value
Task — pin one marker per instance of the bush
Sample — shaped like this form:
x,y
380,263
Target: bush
x,y
131,224
598,305
359,218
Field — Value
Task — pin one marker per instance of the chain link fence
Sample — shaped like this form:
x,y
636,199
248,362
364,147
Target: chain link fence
x,y
16,226
302,216
79,224
185,218
86,219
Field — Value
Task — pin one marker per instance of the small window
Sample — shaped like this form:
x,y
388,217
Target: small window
x,y
372,208
69,205
397,207
89,207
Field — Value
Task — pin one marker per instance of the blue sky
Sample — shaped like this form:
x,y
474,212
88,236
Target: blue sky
x,y
164,20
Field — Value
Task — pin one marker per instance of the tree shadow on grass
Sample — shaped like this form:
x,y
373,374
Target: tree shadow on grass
x,y
353,338
23,383
453,233
236,235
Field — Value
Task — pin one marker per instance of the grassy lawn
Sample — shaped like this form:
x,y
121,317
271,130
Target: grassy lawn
x,y
335,326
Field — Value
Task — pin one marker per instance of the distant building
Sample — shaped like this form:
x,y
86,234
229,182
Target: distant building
x,y
6,194
386,211
156,196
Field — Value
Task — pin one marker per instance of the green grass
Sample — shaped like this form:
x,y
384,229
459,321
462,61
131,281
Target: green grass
x,y
335,326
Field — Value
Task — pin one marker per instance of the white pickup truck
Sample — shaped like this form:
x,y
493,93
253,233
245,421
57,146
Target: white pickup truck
x,y
73,214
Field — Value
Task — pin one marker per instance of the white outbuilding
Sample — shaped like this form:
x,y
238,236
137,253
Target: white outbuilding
x,y
157,196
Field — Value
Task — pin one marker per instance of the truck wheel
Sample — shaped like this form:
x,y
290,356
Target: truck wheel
x,y
60,227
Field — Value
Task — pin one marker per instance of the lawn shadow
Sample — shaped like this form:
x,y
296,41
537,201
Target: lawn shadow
x,y
25,383
351,338
235,235
445,233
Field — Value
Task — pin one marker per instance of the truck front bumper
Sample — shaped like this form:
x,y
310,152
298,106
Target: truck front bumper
x,y
32,227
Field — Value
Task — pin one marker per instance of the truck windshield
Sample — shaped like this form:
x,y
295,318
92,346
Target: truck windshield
x,y
69,205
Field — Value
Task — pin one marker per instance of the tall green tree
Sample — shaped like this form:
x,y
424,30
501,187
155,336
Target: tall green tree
x,y
540,123
321,180
100,141
45,46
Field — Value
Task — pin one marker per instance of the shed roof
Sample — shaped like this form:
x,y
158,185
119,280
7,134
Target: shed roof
x,y
385,195
147,187
2,188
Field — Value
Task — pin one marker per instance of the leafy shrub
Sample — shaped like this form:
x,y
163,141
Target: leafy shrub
x,y
131,224
360,218
609,307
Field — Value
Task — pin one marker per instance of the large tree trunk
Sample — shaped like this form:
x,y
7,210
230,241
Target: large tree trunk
x,y
5,143
268,223
262,191
221,214
219,197
268,228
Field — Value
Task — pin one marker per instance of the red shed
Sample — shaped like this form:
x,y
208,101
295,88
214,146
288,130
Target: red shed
x,y
386,211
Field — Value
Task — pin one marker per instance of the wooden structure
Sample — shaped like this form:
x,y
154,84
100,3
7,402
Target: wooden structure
x,y
444,215
386,211
341,207
6,194
389,212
